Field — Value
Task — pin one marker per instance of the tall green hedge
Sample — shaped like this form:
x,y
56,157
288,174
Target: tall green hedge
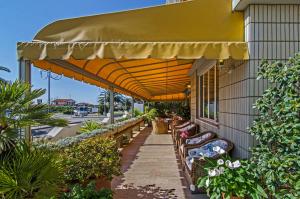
x,y
276,158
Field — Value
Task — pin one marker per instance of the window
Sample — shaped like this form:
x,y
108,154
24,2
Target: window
x,y
208,94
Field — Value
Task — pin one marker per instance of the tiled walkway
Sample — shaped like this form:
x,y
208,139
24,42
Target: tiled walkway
x,y
151,170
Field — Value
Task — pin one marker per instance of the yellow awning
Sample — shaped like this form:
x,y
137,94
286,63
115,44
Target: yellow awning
x,y
145,53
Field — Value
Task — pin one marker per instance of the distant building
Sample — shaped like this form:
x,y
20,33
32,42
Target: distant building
x,y
63,102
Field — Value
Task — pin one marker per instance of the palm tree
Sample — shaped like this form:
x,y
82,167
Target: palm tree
x,y
2,68
17,110
103,98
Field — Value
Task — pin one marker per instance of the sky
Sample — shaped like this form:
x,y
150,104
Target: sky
x,y
20,20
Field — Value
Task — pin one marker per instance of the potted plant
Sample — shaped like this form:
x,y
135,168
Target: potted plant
x,y
150,116
96,158
230,179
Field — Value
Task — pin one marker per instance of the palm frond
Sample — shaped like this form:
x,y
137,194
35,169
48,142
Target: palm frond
x,y
3,68
29,173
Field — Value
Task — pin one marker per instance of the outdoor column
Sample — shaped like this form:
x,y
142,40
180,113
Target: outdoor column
x,y
111,105
132,107
144,106
25,76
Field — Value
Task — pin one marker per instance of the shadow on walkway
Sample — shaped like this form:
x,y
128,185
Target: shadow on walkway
x,y
151,170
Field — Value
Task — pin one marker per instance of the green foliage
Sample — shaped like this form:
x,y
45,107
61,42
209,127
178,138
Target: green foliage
x,y
165,108
29,173
137,112
276,159
91,158
231,178
88,192
62,109
89,126
17,110
150,115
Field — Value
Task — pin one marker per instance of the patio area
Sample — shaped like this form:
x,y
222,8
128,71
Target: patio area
x,y
151,169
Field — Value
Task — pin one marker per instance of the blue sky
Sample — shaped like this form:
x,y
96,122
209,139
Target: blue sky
x,y
21,19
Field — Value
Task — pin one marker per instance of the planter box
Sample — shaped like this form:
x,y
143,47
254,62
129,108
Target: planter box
x,y
102,183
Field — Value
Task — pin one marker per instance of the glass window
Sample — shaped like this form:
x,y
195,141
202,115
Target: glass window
x,y
209,94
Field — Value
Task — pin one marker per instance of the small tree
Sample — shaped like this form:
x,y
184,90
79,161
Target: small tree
x,y
17,110
276,158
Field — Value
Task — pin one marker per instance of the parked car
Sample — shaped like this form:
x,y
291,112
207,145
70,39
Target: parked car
x,y
81,111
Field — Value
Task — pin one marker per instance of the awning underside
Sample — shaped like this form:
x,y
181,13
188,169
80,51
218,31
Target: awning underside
x,y
146,53
150,79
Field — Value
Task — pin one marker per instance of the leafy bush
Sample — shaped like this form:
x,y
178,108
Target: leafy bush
x,y
89,126
137,112
149,116
27,172
276,159
91,158
230,178
62,109
164,109
88,192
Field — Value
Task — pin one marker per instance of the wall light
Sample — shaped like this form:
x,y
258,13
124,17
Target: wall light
x,y
221,63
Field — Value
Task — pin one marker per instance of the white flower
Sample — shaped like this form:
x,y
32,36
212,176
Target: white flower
x,y
201,158
192,187
236,164
221,151
221,169
216,149
192,160
217,172
212,173
220,162
207,182
228,164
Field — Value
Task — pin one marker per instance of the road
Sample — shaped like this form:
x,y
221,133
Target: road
x,y
42,131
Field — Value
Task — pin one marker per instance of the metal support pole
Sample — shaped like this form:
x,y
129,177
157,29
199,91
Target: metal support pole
x,y
49,92
104,111
111,105
144,106
132,107
25,76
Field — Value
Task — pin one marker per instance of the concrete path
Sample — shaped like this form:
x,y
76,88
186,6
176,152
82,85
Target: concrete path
x,y
151,170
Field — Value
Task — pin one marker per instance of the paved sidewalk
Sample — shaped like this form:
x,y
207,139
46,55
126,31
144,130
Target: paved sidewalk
x,y
151,169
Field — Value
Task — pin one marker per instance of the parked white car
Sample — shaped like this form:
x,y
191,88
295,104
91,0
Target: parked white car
x,y
81,111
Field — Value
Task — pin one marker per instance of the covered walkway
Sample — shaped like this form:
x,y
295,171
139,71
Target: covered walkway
x,y
151,169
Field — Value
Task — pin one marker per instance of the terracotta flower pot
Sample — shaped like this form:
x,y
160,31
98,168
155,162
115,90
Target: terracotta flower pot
x,y
102,182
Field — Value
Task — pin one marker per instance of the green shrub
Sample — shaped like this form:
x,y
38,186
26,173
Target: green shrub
x,y
137,112
150,115
79,192
89,126
91,158
27,172
276,158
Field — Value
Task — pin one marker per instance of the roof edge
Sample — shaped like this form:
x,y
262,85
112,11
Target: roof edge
x,y
240,5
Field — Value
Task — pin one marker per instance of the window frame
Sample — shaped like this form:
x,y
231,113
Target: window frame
x,y
201,100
